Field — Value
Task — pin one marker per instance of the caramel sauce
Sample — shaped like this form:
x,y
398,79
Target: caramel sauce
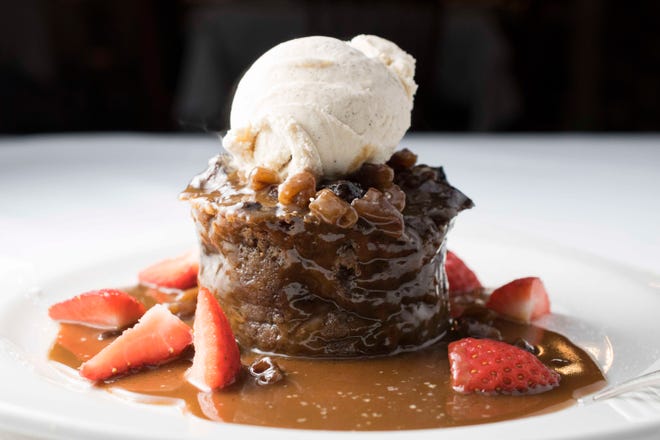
x,y
406,391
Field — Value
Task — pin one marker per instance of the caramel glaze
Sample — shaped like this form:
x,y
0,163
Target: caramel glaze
x,y
405,391
293,284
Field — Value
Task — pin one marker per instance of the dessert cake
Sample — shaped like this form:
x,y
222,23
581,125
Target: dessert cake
x,y
311,241
358,270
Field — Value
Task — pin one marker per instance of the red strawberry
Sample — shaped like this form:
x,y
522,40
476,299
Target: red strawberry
x,y
217,359
106,309
460,278
175,273
485,366
158,337
523,299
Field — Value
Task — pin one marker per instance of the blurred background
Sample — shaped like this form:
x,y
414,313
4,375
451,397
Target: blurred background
x,y
166,65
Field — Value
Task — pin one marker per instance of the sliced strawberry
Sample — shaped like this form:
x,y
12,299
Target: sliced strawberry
x,y
523,299
106,309
158,337
460,278
485,366
217,360
175,273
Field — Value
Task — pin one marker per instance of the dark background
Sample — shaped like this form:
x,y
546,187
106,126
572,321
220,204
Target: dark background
x,y
149,65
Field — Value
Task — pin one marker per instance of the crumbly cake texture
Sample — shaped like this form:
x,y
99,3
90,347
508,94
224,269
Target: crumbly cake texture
x,y
348,267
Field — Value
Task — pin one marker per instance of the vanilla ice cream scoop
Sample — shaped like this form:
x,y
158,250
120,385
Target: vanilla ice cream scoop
x,y
322,104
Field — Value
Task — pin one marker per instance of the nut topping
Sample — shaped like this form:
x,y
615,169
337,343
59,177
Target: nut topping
x,y
333,210
375,208
395,196
374,175
402,160
261,177
297,189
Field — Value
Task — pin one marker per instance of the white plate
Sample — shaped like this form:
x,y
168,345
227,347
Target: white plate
x,y
85,212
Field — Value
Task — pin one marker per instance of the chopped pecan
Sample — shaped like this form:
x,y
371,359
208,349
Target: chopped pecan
x,y
372,175
261,177
396,196
403,159
333,210
377,210
297,189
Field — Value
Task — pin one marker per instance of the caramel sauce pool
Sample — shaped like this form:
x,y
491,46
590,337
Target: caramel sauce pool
x,y
406,391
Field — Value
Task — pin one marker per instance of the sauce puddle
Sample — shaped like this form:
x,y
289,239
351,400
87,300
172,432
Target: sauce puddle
x,y
406,391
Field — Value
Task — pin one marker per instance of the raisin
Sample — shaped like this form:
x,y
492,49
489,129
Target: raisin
x,y
251,206
346,190
401,160
273,192
426,173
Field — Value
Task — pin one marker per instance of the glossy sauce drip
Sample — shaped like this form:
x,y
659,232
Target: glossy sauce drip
x,y
406,391
291,281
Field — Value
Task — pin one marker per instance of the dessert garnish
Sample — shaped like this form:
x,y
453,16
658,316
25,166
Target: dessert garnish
x,y
217,360
460,277
175,273
524,299
158,337
109,309
492,367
